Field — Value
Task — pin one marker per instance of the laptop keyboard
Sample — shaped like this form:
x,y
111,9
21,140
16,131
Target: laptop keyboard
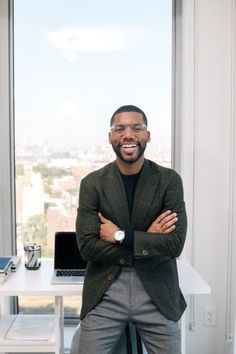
x,y
69,273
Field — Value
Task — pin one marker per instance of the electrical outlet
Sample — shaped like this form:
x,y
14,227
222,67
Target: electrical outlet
x,y
210,316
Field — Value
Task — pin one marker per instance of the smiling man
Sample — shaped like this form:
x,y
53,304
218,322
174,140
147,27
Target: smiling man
x,y
131,226
129,137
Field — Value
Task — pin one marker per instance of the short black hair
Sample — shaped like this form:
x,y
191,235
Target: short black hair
x,y
129,108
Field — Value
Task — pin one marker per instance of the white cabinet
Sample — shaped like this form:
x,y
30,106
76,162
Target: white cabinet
x,y
17,342
35,283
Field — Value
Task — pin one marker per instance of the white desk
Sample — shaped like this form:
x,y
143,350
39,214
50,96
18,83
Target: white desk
x,y
38,282
190,281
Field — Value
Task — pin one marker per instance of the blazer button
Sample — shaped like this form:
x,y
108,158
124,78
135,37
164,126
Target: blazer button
x,y
145,252
110,277
122,261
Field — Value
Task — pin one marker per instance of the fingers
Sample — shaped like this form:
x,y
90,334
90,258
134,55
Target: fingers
x,y
102,218
168,223
163,216
164,223
107,229
168,227
166,217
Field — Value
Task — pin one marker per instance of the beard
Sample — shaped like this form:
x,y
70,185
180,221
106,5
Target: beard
x,y
131,160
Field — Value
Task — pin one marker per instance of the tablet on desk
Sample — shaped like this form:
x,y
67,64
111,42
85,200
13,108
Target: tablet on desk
x,y
5,263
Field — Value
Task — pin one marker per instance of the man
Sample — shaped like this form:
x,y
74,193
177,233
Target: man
x,y
131,226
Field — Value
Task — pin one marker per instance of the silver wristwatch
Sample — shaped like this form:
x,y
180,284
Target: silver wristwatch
x,y
119,236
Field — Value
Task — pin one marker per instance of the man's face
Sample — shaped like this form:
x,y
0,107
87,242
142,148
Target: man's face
x,y
129,136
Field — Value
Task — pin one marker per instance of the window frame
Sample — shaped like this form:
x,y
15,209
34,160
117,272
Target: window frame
x,y
7,145
7,185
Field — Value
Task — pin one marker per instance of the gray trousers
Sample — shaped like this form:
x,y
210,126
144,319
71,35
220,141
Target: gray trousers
x,y
125,301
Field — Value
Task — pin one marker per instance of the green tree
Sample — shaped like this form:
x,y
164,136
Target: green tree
x,y
48,189
35,230
19,169
49,172
72,191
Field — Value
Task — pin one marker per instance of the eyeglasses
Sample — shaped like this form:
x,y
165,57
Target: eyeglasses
x,y
136,128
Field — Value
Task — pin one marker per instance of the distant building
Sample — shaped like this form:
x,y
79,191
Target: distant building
x,y
29,196
58,220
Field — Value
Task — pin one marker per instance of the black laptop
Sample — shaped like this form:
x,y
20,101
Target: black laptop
x,y
69,266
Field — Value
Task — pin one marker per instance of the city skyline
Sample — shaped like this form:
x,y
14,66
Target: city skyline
x,y
53,184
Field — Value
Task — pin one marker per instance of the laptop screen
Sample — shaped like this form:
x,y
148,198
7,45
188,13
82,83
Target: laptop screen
x,y
66,253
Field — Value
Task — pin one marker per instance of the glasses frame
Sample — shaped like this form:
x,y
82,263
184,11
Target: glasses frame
x,y
136,128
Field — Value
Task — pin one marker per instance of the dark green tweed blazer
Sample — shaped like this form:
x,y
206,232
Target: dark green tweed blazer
x,y
154,255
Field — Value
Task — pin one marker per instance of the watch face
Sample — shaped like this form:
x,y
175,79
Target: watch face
x,y
119,235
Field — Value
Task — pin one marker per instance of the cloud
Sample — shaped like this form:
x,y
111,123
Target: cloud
x,y
74,40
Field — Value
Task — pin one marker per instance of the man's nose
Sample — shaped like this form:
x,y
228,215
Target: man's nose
x,y
128,131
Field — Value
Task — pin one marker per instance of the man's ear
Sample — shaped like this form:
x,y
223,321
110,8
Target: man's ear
x,y
149,136
109,138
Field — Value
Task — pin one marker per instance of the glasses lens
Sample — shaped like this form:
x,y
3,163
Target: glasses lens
x,y
137,128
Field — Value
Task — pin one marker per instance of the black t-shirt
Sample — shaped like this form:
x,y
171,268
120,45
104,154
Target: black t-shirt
x,y
130,183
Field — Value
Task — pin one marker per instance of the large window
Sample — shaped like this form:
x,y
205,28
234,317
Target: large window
x,y
75,62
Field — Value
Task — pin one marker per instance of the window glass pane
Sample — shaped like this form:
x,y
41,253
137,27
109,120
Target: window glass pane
x,y
75,63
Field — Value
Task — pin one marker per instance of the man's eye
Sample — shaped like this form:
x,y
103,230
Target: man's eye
x,y
119,129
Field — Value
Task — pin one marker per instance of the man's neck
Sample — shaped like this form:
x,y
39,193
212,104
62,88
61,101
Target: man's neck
x,y
130,168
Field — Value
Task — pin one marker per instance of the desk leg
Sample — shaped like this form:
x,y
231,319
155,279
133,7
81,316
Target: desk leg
x,y
4,305
59,313
183,333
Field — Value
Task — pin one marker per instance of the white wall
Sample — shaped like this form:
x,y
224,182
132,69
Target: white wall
x,y
208,161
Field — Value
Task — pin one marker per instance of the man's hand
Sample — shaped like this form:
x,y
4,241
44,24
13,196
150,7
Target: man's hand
x,y
164,224
107,229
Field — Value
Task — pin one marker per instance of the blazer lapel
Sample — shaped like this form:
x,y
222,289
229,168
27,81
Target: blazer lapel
x,y
115,192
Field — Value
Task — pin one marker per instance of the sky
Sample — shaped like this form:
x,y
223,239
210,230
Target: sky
x,y
77,61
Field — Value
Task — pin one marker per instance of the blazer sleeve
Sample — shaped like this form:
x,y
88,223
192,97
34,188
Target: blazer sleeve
x,y
148,245
92,248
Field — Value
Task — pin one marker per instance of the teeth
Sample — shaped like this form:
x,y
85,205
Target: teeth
x,y
129,145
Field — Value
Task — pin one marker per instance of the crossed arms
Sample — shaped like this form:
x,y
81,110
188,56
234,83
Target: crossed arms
x,y
164,223
164,236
